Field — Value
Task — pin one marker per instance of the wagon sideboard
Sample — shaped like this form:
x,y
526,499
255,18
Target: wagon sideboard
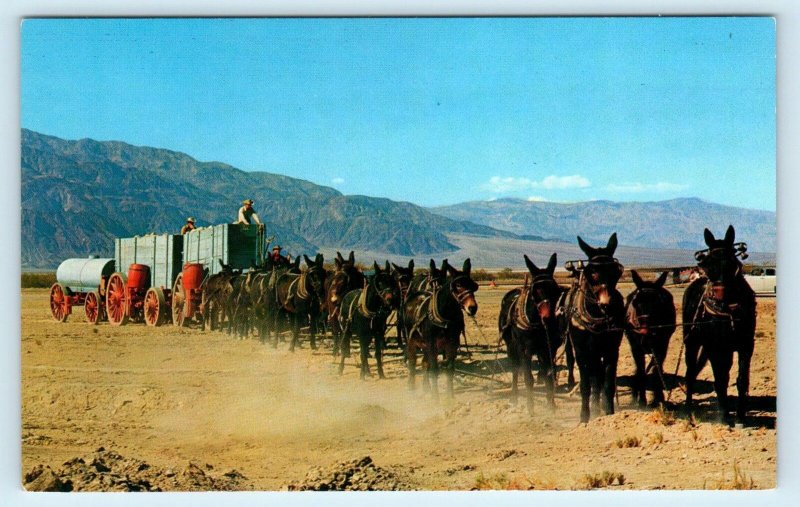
x,y
237,245
162,253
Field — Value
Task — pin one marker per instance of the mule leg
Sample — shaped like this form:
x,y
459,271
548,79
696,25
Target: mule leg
x,y
295,323
639,377
743,381
312,329
528,376
692,370
586,389
610,379
513,356
546,359
344,346
411,363
379,345
660,355
721,362
363,341
570,353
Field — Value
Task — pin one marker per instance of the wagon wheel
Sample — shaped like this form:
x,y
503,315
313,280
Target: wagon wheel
x,y
58,302
155,306
178,302
116,300
93,308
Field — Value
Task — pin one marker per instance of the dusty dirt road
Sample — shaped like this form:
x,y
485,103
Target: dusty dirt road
x,y
170,397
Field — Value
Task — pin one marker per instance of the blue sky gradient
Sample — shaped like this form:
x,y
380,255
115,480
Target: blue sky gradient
x,y
433,111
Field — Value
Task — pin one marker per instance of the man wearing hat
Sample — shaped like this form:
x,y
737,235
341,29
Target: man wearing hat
x,y
247,215
277,258
189,225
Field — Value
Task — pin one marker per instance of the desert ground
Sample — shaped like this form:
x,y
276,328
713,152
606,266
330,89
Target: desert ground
x,y
242,415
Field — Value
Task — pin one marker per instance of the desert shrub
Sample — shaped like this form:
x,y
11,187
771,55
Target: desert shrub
x,y
740,480
38,280
656,438
503,482
602,480
661,416
506,274
628,442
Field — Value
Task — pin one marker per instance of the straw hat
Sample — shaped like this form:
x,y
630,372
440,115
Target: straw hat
x,y
276,247
248,201
190,220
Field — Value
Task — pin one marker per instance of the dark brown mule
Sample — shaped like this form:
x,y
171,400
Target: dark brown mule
x,y
528,326
345,277
268,317
217,290
300,295
594,319
719,318
363,313
650,314
403,277
435,324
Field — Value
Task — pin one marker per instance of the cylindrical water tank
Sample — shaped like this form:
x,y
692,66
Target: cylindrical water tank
x,y
138,276
83,275
192,276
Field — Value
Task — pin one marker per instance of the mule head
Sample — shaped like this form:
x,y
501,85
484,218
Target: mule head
x,y
462,286
403,275
603,271
720,261
544,290
650,304
385,286
315,274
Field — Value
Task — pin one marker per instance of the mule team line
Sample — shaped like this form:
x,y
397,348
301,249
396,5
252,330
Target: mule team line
x,y
221,276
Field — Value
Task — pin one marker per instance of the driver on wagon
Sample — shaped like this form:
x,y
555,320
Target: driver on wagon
x,y
247,215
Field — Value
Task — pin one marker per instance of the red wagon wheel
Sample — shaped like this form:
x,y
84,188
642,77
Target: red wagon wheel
x,y
58,302
155,306
92,307
178,301
116,300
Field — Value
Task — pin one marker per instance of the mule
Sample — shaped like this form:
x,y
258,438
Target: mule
x,y
594,316
364,312
528,326
403,277
719,319
218,288
650,314
300,296
267,316
435,323
345,277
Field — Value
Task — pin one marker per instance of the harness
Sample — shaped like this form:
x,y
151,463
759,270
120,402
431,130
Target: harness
x,y
634,318
580,298
519,306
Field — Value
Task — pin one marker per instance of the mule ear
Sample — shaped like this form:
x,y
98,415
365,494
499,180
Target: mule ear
x,y
730,235
411,264
320,259
339,257
386,266
637,280
297,262
352,258
589,251
338,262
308,261
612,244
433,266
662,279
376,267
709,237
396,267
531,266
551,265
467,267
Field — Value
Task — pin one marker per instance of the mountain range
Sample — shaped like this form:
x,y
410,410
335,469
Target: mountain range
x,y
77,196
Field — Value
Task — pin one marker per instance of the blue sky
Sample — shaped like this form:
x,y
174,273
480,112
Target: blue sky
x,y
433,111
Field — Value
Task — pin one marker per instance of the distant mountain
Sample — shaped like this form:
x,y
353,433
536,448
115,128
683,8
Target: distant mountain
x,y
672,224
77,196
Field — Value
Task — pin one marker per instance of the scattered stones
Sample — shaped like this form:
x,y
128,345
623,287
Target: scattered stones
x,y
107,470
355,475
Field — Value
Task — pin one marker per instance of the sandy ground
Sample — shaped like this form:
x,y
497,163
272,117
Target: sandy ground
x,y
173,396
